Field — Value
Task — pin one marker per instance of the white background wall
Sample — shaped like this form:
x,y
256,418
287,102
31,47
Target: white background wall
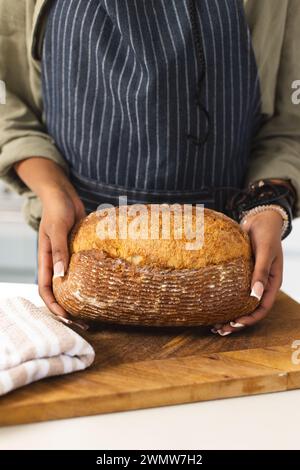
x,y
17,241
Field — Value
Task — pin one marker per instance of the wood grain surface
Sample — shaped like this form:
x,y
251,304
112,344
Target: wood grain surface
x,y
147,367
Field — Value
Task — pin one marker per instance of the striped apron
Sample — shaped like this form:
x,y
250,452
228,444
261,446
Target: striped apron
x,y
119,81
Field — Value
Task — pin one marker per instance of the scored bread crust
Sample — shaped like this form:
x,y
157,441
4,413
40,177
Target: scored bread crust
x,y
168,286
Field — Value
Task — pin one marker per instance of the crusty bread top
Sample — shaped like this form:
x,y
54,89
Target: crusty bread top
x,y
224,240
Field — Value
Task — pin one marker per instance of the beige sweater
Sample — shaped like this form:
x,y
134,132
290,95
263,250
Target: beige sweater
x,y
275,33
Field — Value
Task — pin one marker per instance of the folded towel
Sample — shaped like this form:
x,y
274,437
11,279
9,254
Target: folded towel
x,y
34,345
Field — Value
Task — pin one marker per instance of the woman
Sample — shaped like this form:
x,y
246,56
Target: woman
x,y
161,101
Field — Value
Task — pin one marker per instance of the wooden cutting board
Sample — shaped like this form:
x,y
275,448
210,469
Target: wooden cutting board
x,y
143,368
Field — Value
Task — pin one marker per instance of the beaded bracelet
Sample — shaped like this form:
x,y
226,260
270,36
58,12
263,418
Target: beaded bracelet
x,y
266,207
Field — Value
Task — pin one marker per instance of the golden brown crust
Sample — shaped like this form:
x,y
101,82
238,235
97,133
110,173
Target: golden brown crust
x,y
224,240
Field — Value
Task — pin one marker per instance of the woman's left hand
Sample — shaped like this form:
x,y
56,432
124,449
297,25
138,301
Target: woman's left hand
x,y
264,230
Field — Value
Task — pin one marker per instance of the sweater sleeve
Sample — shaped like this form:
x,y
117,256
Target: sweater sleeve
x,y
276,148
22,132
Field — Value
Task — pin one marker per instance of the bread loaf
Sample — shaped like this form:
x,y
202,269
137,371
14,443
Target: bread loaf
x,y
168,280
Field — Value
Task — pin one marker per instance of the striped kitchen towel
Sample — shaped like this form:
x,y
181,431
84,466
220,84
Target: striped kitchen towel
x,y
34,345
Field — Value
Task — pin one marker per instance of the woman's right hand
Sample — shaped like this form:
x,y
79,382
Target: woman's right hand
x,y
62,208
61,211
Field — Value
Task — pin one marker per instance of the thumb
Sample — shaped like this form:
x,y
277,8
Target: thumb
x,y
262,267
60,250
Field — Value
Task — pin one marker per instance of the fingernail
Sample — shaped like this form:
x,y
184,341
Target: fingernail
x,y
214,330
64,320
257,290
83,326
236,325
59,270
224,333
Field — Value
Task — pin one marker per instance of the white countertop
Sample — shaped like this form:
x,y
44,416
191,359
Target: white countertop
x,y
258,422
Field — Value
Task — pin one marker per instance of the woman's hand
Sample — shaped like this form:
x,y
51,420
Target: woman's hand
x,y
264,230
60,212
62,208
